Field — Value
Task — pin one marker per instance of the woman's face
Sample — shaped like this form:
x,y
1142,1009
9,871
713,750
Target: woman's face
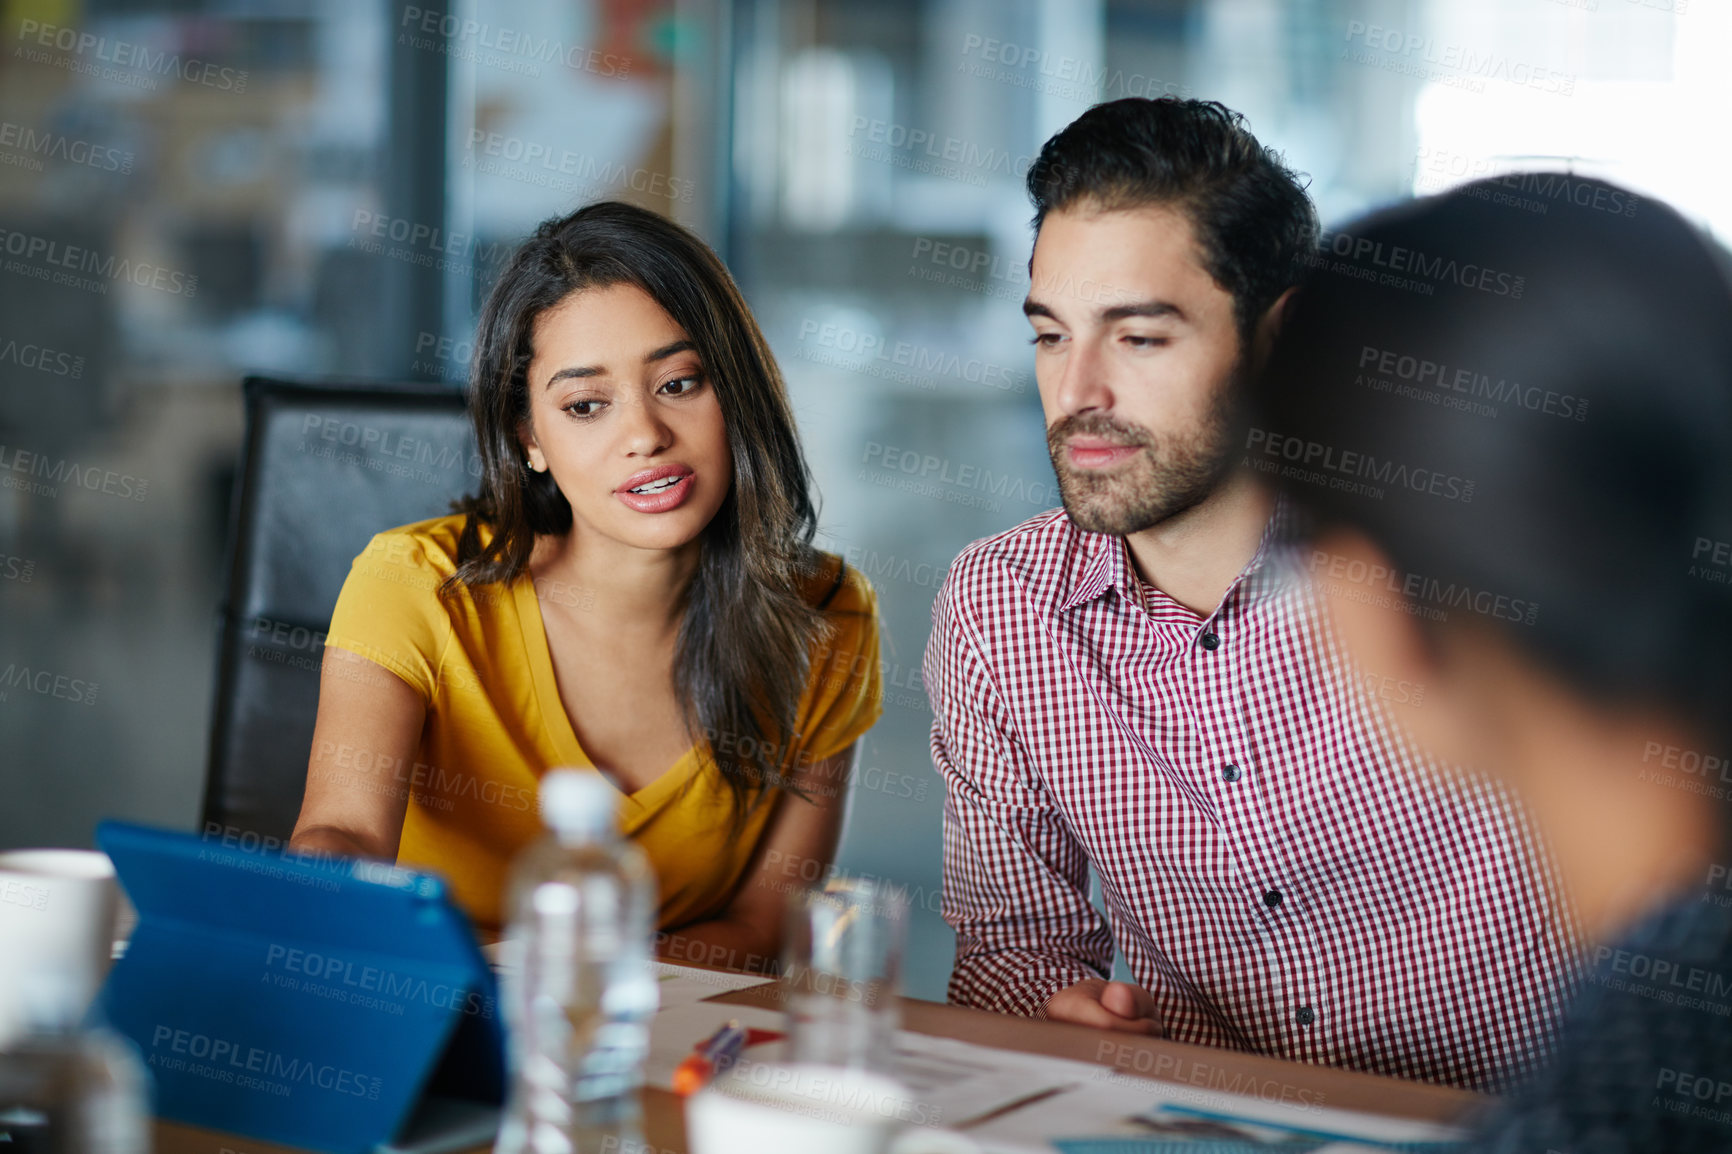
x,y
624,415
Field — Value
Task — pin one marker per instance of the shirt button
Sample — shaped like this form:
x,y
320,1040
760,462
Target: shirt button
x,y
1230,772
1210,641
1305,1015
1272,898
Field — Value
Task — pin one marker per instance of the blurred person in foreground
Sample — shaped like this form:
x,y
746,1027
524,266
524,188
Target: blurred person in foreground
x,y
1592,417
634,588
1143,682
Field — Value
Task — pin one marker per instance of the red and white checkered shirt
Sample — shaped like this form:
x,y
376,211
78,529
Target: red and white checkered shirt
x,y
1282,873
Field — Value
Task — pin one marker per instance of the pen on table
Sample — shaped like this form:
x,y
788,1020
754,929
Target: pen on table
x,y
709,1057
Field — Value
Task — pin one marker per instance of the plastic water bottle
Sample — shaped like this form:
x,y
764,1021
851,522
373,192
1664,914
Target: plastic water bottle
x,y
579,990
66,1087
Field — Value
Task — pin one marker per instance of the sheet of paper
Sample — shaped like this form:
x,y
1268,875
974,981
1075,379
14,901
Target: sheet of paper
x,y
683,985
1105,1102
950,1082
683,1018
1275,1120
679,985
1234,1141
958,1082
675,1030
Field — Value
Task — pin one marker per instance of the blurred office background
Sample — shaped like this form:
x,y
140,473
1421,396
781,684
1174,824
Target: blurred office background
x,y
324,188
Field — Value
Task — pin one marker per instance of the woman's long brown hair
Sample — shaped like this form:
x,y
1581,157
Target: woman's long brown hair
x,y
741,656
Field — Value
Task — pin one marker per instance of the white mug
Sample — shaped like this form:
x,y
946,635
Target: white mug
x,y
762,1107
58,909
769,1108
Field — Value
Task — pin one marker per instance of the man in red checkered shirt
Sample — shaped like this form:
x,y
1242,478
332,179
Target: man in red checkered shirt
x,y
1145,681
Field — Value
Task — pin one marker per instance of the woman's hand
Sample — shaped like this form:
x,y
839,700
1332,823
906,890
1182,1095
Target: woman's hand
x,y
368,729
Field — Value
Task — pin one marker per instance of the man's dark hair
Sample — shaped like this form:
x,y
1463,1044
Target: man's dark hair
x,y
1252,219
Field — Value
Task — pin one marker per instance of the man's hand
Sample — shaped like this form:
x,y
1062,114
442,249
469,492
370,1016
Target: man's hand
x,y
1107,1006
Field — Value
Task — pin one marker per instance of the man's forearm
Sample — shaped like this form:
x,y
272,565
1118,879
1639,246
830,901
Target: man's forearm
x,y
1015,981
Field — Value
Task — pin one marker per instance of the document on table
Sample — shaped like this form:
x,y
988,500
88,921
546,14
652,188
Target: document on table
x,y
1012,1103
1233,1122
1110,1113
960,1083
676,1029
952,1083
683,985
678,985
1167,1144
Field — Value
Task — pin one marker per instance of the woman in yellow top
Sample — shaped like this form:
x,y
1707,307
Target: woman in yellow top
x,y
634,588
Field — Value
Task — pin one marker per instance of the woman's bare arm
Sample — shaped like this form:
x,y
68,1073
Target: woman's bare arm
x,y
798,846
364,744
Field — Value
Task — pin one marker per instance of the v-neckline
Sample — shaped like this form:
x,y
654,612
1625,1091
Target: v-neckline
x,y
640,804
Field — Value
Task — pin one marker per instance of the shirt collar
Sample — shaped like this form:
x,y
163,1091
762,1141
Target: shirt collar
x,y
1104,562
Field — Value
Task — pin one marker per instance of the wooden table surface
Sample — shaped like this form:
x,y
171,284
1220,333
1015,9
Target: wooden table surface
x,y
664,1129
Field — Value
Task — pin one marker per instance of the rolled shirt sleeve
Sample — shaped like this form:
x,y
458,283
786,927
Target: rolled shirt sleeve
x,y
1015,877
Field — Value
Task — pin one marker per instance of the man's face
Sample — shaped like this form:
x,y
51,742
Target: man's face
x,y
1137,357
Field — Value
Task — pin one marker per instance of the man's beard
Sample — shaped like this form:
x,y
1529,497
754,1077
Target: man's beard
x,y
1170,474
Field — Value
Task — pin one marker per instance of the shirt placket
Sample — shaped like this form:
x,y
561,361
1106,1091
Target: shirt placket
x,y
1292,1025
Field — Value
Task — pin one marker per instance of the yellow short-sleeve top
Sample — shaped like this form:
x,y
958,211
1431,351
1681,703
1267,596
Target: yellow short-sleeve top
x,y
495,723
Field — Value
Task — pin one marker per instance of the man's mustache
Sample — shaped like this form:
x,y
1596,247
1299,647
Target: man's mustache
x,y
1097,425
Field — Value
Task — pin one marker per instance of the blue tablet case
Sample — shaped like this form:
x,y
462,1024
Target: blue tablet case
x,y
308,1003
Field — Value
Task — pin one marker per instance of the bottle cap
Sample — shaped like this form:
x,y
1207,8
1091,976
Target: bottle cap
x,y
578,801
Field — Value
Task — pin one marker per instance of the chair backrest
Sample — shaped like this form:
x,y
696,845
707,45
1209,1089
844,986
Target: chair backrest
x,y
324,467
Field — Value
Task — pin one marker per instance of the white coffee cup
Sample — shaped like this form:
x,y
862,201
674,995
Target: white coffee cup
x,y
767,1108
58,909
929,1140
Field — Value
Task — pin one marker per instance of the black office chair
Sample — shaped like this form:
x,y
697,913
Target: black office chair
x,y
324,467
